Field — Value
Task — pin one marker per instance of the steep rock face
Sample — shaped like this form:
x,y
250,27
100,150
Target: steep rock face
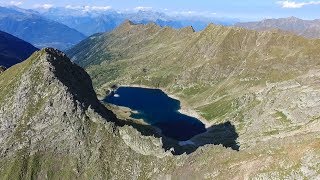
x,y
306,28
13,50
53,126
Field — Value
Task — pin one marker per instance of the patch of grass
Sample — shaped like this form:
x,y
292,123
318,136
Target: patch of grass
x,y
272,132
282,117
101,74
23,166
217,109
18,167
26,166
192,91
10,78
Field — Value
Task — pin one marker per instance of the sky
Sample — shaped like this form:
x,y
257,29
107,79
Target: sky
x,y
242,9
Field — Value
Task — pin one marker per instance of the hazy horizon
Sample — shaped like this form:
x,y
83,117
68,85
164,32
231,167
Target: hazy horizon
x,y
243,10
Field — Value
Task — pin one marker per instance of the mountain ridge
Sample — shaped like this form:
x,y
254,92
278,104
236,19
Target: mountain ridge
x,y
306,28
39,31
57,123
91,22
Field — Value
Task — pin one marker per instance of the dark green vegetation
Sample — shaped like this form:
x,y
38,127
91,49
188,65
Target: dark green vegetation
x,y
13,50
37,30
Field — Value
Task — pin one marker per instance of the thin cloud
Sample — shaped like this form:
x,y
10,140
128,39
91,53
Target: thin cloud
x,y
194,13
142,8
102,8
44,6
295,5
89,8
16,3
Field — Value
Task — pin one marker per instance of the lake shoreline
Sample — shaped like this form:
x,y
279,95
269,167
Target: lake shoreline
x,y
184,108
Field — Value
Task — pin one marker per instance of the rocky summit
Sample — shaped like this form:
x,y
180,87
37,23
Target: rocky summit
x,y
53,127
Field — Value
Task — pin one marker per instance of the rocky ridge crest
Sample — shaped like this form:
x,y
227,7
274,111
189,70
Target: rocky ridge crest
x,y
51,120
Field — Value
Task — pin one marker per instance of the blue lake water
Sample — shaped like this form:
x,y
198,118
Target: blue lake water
x,y
159,110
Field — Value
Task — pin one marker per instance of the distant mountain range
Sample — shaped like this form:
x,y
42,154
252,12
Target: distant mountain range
x,y
13,50
306,28
39,31
91,22
63,28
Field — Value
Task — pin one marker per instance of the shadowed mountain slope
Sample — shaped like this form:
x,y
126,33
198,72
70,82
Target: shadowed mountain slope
x,y
13,50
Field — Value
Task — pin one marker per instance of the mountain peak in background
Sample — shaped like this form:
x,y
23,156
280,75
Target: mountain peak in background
x,y
128,22
91,22
37,30
306,28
